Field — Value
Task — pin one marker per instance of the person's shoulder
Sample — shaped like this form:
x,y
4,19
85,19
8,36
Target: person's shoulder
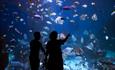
x,y
39,42
60,40
31,41
48,43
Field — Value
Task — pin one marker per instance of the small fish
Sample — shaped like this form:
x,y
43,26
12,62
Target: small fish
x,y
85,6
46,15
67,8
42,9
37,16
90,46
48,22
106,37
82,40
53,14
113,13
49,1
74,38
75,15
83,17
76,2
44,32
59,20
4,35
47,28
72,21
93,3
59,2
94,17
21,19
92,36
18,31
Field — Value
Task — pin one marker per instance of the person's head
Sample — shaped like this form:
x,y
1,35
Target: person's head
x,y
53,35
37,35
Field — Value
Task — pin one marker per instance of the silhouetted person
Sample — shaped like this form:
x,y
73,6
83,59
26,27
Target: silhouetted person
x,y
35,47
3,55
54,53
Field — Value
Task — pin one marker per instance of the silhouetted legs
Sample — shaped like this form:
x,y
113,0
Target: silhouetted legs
x,y
34,64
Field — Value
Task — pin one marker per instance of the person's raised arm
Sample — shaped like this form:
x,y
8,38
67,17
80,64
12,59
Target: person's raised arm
x,y
64,40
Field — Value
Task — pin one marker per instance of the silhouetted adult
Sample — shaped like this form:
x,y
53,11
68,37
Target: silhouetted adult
x,y
54,53
35,47
3,55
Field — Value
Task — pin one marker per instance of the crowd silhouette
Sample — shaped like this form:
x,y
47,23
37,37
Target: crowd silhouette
x,y
53,54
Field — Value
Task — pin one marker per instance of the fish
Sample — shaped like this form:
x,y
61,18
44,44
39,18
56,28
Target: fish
x,y
49,1
53,14
84,5
92,36
17,30
94,17
44,32
83,17
38,16
76,2
90,46
48,22
93,3
59,20
67,8
47,28
72,21
74,38
113,13
75,15
59,2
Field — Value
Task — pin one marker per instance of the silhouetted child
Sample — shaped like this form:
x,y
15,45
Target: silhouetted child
x,y
35,47
54,53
